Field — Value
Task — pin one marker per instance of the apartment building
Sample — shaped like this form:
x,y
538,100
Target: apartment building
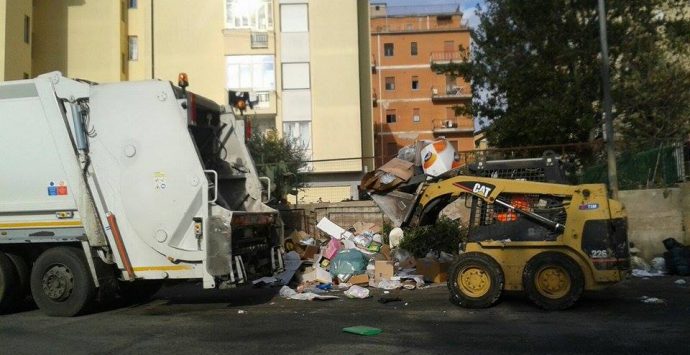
x,y
306,61
410,101
15,39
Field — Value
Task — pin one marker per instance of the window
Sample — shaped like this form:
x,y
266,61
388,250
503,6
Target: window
x,y
390,116
413,48
299,132
250,72
294,18
133,42
390,83
27,29
388,49
253,14
415,115
415,83
296,76
132,4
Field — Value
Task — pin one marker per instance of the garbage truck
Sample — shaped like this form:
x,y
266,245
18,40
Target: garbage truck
x,y
114,188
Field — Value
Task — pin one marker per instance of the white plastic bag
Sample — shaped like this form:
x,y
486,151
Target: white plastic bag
x,y
357,292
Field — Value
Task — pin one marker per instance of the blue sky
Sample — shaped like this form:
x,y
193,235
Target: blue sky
x,y
466,6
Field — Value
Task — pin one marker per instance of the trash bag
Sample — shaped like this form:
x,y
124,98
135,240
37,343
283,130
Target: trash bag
x,y
677,257
348,261
658,264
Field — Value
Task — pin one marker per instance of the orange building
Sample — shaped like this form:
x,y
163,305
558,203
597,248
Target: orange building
x,y
411,102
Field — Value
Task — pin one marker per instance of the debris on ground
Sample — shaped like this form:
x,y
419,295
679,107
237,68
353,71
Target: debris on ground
x,y
357,292
241,311
287,292
643,273
363,330
652,300
679,282
677,257
389,299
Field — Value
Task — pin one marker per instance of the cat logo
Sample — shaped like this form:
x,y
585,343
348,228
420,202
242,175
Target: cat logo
x,y
482,189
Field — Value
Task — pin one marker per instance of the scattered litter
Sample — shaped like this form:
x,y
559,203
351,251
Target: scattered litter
x,y
638,263
644,273
241,311
386,292
289,293
679,282
652,300
658,264
264,281
389,299
406,303
395,236
363,330
292,263
388,285
357,292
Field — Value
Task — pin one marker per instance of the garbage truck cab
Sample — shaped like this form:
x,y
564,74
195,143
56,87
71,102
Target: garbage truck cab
x,y
124,184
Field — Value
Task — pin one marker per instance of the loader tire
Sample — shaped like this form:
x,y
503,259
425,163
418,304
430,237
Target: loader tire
x,y
475,281
23,276
553,281
9,281
61,283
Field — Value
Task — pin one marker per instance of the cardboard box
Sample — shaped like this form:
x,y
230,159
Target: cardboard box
x,y
309,252
432,270
385,251
383,270
362,279
318,274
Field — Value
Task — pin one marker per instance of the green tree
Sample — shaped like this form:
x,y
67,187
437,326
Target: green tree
x,y
538,63
279,158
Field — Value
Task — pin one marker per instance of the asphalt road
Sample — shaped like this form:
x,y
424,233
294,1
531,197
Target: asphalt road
x,y
184,319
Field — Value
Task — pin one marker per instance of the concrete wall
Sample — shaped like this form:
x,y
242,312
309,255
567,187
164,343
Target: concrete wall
x,y
82,39
336,123
3,25
17,53
657,214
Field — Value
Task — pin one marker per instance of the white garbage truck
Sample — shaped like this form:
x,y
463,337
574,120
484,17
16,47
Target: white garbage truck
x,y
116,187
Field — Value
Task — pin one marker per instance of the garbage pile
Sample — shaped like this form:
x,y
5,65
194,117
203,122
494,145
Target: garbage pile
x,y
354,260
675,261
677,257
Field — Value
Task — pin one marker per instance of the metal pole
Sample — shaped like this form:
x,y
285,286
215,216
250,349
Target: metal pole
x,y
608,119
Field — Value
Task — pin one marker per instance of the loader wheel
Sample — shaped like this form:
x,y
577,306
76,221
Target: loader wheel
x,y
23,275
553,281
61,283
9,282
475,281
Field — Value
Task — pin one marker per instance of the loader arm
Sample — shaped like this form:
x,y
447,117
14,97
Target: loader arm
x,y
433,197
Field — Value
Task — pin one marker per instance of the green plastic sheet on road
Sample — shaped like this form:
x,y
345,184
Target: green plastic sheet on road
x,y
363,330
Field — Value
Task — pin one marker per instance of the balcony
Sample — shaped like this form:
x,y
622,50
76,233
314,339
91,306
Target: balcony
x,y
446,57
451,93
453,125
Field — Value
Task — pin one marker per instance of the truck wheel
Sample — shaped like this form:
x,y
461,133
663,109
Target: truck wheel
x,y
23,275
139,291
553,281
61,283
8,283
475,281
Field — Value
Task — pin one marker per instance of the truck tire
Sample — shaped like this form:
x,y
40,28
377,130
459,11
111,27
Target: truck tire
x,y
553,281
61,283
23,276
475,281
8,283
139,291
